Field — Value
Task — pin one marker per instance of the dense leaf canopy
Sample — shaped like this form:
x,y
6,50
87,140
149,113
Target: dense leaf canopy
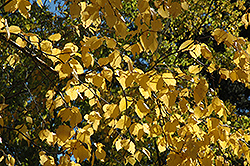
x,y
125,82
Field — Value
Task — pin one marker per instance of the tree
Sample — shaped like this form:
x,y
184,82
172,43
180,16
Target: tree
x,y
111,82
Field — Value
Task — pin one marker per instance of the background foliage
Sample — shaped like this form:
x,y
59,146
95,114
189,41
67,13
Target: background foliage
x,y
111,82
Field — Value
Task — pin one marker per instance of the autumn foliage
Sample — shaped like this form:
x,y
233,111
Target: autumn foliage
x,y
111,82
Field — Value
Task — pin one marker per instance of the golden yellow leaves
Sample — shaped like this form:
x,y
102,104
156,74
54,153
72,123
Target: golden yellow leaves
x,y
143,5
169,79
64,132
100,153
10,161
171,8
94,119
80,152
13,60
55,37
46,46
72,114
121,29
123,122
206,53
149,41
194,69
22,5
75,10
141,109
126,144
111,110
196,50
89,14
246,19
48,136
67,65
111,43
22,43
200,91
163,11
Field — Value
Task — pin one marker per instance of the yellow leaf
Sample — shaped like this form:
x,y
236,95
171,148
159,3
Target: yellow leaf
x,y
66,69
206,53
111,110
111,20
163,11
200,91
46,46
77,67
246,19
11,6
107,73
100,153
81,153
1,159
125,103
144,41
155,130
34,40
40,3
14,29
131,147
28,119
195,51
96,44
143,5
137,130
76,117
129,80
224,73
131,160
175,9
23,129
219,35
55,37
103,61
24,6
22,43
211,68
199,112
99,81
145,93
194,69
111,43
170,127
187,45
169,79
153,41
13,60
156,25
184,5
124,122
121,29
161,143
87,60
10,161
75,10
115,59
63,132
141,109
233,75
138,155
